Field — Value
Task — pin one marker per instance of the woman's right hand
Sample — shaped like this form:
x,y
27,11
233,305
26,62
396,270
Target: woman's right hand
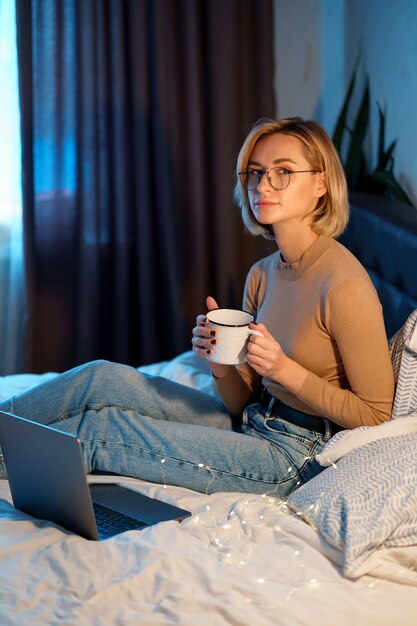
x,y
205,338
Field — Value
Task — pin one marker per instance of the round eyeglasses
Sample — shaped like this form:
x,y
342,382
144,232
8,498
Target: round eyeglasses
x,y
278,177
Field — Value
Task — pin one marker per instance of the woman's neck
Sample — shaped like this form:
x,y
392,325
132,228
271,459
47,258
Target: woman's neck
x,y
293,245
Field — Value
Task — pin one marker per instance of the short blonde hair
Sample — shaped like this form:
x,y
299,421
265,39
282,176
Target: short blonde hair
x,y
331,214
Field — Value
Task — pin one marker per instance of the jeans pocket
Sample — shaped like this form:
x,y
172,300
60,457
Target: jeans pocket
x,y
282,433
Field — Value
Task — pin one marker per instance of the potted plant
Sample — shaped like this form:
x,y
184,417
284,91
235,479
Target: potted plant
x,y
381,179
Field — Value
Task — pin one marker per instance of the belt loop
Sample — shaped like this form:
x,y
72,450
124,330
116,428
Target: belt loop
x,y
328,434
270,407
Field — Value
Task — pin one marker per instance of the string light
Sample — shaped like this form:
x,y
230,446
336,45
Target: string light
x,y
235,549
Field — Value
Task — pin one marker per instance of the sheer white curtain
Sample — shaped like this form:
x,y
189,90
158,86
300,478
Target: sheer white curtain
x,y
12,292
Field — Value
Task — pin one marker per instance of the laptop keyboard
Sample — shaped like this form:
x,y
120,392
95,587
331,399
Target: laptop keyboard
x,y
111,522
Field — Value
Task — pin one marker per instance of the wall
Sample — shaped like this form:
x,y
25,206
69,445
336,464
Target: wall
x,y
309,58
316,46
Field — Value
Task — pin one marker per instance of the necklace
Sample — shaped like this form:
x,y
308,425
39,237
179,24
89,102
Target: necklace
x,y
290,264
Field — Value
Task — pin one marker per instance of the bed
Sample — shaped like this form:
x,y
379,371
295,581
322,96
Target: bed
x,y
342,549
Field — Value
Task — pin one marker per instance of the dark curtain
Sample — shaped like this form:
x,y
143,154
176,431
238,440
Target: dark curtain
x,y
133,112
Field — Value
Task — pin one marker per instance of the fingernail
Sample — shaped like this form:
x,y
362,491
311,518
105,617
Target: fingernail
x,y
212,333
213,341
208,351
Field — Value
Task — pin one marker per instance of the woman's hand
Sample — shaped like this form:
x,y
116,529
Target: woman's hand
x,y
267,358
265,354
204,339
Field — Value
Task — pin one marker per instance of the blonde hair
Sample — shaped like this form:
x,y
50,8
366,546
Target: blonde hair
x,y
331,213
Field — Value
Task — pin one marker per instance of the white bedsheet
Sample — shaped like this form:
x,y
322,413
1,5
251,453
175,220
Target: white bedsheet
x,y
240,560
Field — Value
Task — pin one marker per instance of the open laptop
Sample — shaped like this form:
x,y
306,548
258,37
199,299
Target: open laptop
x,y
47,480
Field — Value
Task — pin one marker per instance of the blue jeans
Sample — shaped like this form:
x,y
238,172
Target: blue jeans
x,y
151,428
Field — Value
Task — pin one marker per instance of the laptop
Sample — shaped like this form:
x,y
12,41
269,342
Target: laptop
x,y
47,480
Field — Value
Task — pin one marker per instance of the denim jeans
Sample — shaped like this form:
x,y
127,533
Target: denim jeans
x,y
151,428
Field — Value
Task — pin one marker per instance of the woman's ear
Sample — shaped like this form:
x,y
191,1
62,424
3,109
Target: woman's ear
x,y
321,184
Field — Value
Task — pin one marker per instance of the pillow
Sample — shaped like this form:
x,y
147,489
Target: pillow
x,y
186,368
346,441
366,501
403,350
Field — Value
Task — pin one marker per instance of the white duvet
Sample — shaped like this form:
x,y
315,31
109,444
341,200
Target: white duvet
x,y
239,560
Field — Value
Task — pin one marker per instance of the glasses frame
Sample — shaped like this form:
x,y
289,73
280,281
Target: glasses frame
x,y
261,173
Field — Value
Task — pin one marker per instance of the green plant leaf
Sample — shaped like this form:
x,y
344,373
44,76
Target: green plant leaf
x,y
341,123
381,139
386,159
356,164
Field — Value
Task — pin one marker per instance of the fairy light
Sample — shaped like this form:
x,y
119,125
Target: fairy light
x,y
235,549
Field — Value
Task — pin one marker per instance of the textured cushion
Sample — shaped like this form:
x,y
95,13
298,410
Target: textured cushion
x,y
403,349
346,441
366,501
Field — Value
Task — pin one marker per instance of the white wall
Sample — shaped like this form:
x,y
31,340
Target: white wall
x,y
316,46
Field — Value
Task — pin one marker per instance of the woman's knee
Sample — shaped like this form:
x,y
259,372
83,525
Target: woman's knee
x,y
112,381
101,368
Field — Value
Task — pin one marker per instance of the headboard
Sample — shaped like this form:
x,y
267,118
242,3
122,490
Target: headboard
x,y
382,234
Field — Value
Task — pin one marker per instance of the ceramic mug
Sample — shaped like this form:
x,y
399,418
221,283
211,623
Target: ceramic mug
x,y
232,333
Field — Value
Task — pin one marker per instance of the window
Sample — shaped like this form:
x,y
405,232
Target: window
x,y
12,308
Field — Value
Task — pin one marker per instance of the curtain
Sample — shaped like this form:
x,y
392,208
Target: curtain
x,y
133,112
12,287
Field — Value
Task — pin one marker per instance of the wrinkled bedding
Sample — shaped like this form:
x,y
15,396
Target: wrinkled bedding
x,y
241,559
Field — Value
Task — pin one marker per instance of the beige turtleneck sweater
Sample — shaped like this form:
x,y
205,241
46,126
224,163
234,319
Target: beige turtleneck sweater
x,y
325,313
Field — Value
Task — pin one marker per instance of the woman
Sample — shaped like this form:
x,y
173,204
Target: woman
x,y
321,363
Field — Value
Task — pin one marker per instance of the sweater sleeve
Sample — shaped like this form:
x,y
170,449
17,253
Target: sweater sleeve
x,y
238,388
353,316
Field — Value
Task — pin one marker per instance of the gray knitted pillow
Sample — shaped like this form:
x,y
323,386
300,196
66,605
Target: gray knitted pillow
x,y
403,350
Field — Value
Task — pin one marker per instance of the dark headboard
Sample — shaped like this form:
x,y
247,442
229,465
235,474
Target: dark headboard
x,y
382,234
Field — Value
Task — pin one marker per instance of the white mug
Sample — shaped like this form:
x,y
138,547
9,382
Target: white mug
x,y
232,333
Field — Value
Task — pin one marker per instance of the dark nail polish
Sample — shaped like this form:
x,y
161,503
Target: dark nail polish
x,y
212,333
208,351
213,341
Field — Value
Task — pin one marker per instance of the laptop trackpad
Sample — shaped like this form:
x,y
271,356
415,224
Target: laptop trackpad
x,y
137,505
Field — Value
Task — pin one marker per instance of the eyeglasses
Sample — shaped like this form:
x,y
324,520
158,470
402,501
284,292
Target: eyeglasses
x,y
278,177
